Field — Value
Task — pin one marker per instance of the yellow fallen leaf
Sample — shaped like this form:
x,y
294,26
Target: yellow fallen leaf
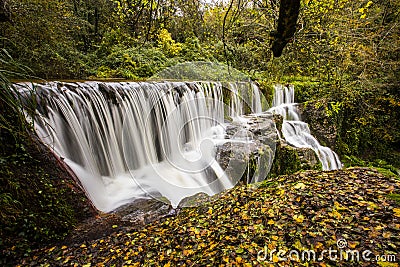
x,y
396,212
187,252
319,245
386,234
272,245
264,209
335,214
275,259
298,218
353,244
300,186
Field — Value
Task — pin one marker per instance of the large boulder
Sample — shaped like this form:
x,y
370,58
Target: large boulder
x,y
267,154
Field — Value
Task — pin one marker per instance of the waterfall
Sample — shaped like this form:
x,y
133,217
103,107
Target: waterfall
x,y
132,140
296,132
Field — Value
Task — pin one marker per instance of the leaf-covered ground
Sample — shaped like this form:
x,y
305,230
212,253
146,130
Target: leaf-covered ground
x,y
335,214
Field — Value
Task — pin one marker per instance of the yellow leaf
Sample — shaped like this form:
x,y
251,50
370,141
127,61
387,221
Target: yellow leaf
x,y
239,259
372,206
319,245
272,245
210,211
263,210
300,186
270,222
396,212
353,244
187,252
387,264
274,237
298,218
167,264
245,217
386,234
275,259
336,214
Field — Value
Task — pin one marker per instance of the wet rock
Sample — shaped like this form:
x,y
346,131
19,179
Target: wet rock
x,y
256,150
323,120
143,211
249,152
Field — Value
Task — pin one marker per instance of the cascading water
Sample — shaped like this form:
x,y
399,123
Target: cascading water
x,y
134,140
296,132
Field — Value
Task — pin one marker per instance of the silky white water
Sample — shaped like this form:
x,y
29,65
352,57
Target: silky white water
x,y
135,140
296,132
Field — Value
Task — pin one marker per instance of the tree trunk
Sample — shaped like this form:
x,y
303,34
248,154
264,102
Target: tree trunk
x,y
288,14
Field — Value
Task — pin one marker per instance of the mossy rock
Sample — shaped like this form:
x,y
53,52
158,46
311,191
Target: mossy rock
x,y
289,160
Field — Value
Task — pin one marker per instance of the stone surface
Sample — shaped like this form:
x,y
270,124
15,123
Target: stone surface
x,y
323,122
250,150
267,155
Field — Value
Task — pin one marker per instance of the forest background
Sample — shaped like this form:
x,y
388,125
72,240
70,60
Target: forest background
x,y
344,52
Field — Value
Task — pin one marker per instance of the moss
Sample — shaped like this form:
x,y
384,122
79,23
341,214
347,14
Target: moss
x,y
395,197
287,161
390,173
39,202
